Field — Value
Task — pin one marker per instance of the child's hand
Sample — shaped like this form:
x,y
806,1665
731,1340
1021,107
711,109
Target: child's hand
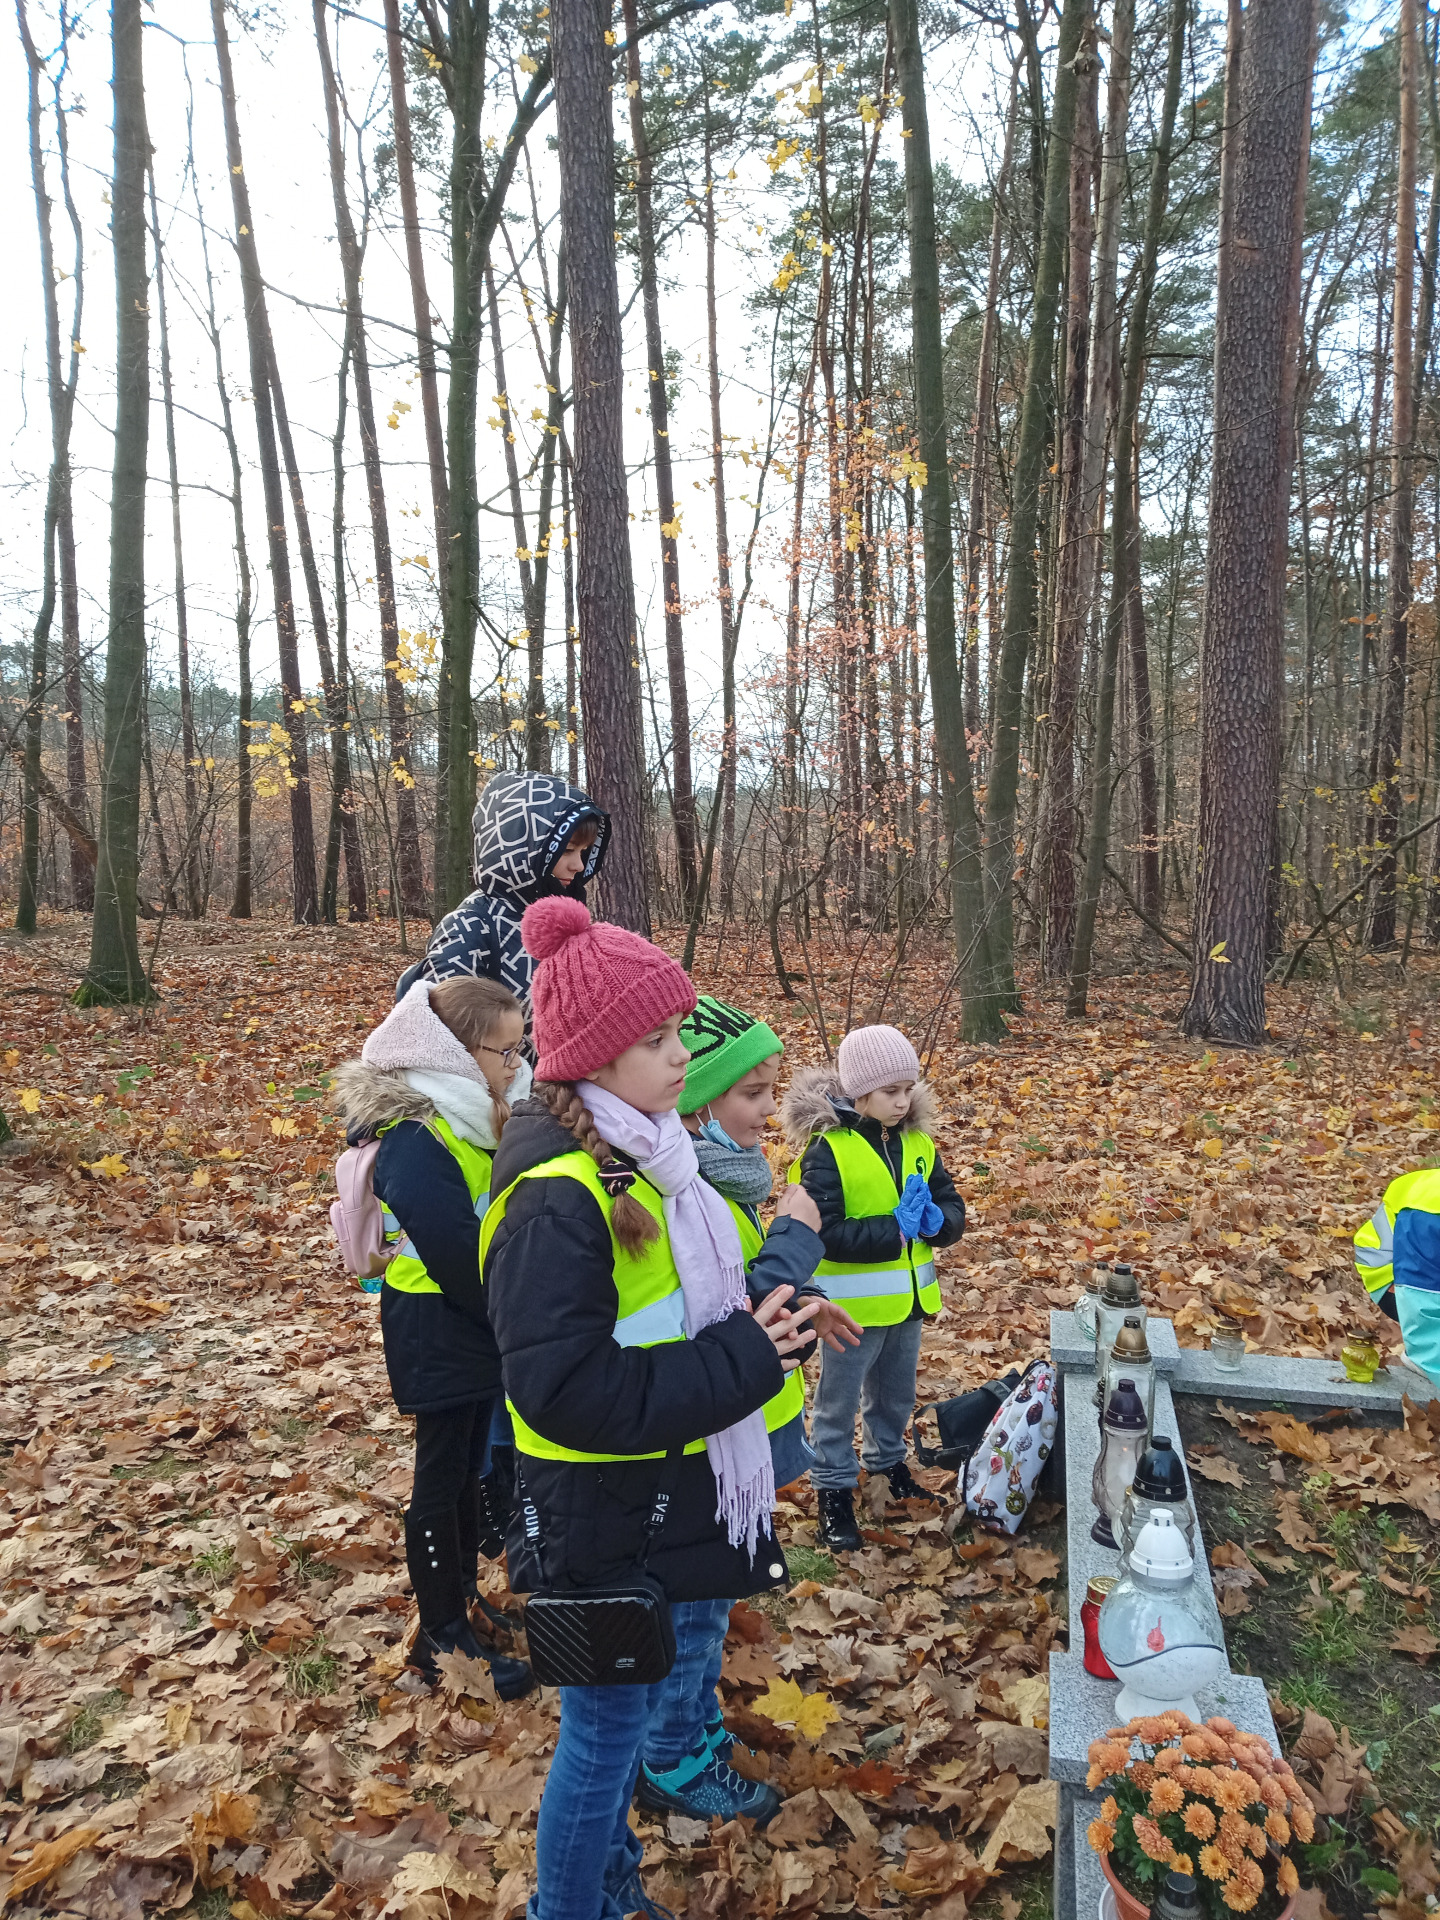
x,y
787,1330
796,1204
835,1327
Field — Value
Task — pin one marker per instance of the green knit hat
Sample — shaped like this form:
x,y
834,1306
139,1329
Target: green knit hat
x,y
725,1045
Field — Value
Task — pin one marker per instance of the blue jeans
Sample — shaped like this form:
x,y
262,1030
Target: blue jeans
x,y
585,1852
687,1694
878,1379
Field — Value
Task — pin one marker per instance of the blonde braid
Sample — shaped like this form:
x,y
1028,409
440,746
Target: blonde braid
x,y
634,1227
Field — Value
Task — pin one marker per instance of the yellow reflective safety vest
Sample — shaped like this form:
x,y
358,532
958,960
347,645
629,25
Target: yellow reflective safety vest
x,y
877,1294
1375,1242
652,1306
406,1272
790,1400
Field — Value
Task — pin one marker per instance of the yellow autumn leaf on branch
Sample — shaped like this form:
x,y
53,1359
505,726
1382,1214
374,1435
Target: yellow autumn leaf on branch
x,y
787,1706
528,63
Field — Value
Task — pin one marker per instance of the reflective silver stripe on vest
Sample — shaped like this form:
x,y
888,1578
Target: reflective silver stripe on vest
x,y
407,1250
865,1286
661,1320
1373,1256
1380,1221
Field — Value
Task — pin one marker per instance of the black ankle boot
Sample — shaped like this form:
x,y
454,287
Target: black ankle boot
x,y
838,1530
432,1552
904,1485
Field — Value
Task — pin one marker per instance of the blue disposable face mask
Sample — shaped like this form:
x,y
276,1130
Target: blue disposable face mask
x,y
713,1132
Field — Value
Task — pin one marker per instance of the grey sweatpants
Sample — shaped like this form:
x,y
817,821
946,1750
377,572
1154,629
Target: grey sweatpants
x,y
877,1378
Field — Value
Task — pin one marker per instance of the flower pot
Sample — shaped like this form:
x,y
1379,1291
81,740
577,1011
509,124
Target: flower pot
x,y
1129,1906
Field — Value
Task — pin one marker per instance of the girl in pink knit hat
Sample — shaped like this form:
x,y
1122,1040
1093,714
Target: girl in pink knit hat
x,y
615,1285
862,1133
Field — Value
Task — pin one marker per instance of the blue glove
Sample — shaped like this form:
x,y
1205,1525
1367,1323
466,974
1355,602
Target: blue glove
x,y
934,1219
914,1202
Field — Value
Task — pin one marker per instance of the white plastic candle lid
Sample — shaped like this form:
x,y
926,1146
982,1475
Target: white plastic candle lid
x,y
1160,1552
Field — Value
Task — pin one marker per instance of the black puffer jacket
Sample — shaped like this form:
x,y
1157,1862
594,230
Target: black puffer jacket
x,y
522,822
815,1106
552,1301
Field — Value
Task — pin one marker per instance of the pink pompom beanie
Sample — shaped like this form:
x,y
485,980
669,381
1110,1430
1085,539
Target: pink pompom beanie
x,y
872,1057
597,990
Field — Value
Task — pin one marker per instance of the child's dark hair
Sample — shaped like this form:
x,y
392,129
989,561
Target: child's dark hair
x,y
471,1006
634,1227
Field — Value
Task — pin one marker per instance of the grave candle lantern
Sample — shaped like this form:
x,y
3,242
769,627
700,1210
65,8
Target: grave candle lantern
x,y
1130,1358
1156,1637
1119,1300
1123,1434
1159,1481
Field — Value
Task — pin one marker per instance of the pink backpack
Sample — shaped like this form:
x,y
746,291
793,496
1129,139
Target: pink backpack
x,y
357,1217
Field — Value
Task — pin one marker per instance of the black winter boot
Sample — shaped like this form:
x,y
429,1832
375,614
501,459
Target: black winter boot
x,y
904,1485
432,1552
838,1530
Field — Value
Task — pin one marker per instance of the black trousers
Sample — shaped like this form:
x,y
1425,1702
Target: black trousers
x,y
449,1452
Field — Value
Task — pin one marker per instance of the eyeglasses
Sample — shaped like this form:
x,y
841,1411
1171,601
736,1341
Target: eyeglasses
x,y
512,1056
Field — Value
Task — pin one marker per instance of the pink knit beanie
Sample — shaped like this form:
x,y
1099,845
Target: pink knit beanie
x,y
597,990
872,1057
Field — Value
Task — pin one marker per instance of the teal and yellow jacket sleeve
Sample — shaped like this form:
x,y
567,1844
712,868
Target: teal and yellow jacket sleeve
x,y
1399,1245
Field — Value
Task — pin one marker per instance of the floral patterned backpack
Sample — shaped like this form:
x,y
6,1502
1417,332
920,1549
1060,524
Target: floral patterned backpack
x,y
1001,1474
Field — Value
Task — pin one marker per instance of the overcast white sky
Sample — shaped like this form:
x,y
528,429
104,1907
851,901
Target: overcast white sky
x,y
282,129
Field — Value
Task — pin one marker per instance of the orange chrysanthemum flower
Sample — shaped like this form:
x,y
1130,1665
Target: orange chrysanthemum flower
x,y
1287,1879
1199,1820
1150,1729
1109,1755
1100,1836
1169,1760
1174,1721
1110,1809
1196,1745
1248,1872
1093,1778
1182,1863
1213,1864
1231,1792
1152,1840
1273,1794
1239,1898
1303,1821
1217,1723
1256,1841
1143,1774
1166,1796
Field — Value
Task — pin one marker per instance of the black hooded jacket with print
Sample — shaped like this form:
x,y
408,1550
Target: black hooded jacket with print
x,y
522,823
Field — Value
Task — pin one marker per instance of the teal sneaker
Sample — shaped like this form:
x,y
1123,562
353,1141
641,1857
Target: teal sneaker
x,y
703,1787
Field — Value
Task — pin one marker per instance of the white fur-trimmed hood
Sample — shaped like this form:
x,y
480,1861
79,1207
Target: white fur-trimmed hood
x,y
809,1106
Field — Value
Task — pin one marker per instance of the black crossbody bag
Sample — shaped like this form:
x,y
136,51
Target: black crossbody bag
x,y
620,1636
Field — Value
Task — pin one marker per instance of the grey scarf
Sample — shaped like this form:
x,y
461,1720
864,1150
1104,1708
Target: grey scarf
x,y
742,1175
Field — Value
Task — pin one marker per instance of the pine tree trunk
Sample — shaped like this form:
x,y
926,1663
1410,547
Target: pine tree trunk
x,y
1073,556
469,22
980,1010
1402,494
305,902
686,827
1149,789
609,670
190,852
419,294
572,687
343,827
402,772
1123,551
61,392
115,971
1025,483
724,591
1267,118
980,430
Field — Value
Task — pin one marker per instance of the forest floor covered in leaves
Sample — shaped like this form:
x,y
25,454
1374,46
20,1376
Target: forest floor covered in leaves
x,y
203,1702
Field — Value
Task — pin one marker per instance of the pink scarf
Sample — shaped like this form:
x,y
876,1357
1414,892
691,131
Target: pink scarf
x,y
708,1258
